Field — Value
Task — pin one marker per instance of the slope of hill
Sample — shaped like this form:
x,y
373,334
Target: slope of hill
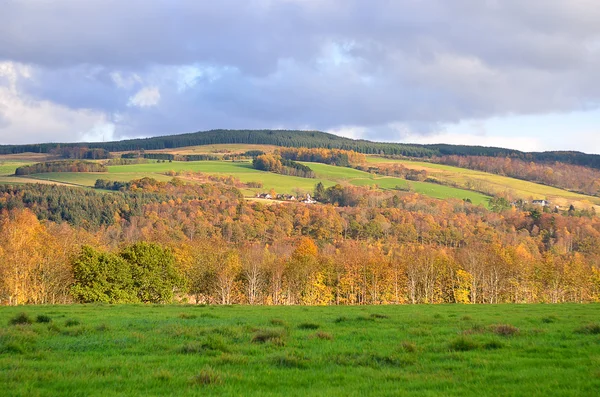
x,y
327,174
494,184
310,139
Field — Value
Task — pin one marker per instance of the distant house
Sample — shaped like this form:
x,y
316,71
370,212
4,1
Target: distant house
x,y
286,197
264,196
308,199
543,203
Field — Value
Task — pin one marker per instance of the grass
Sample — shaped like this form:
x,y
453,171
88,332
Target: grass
x,y
327,174
497,183
8,168
446,350
469,180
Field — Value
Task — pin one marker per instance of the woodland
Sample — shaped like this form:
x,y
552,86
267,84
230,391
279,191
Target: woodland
x,y
359,246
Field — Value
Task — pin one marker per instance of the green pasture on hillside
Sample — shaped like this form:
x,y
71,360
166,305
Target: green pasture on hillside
x,y
9,167
327,174
422,350
496,183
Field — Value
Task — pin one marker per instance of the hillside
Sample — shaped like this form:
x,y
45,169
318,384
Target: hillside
x,y
310,139
326,174
493,184
453,182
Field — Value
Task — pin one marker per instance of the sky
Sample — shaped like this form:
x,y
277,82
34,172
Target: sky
x,y
509,73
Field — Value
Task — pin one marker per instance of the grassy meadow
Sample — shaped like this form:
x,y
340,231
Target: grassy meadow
x,y
496,183
327,174
468,180
449,350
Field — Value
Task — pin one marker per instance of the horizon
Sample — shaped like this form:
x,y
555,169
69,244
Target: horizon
x,y
494,74
266,129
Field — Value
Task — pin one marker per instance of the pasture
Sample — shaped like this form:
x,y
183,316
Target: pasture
x,y
327,174
472,179
424,350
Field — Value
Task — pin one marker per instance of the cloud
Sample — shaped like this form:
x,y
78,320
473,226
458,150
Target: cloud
x,y
146,97
375,70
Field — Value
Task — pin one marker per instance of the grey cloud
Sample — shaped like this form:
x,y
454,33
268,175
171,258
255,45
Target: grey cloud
x,y
308,64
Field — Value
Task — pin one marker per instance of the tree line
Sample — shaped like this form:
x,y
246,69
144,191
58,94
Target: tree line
x,y
338,157
61,166
310,139
275,163
368,246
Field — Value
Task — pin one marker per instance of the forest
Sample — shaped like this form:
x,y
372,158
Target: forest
x,y
301,139
360,246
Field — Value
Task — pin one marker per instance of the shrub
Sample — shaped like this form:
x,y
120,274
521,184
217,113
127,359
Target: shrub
x,y
21,319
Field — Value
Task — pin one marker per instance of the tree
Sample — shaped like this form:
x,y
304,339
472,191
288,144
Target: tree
x,y
153,272
102,277
319,192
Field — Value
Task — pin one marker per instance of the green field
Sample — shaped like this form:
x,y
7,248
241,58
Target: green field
x,y
327,174
445,350
496,183
9,167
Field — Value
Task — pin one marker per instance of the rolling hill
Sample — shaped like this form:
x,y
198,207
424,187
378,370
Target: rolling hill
x,y
310,139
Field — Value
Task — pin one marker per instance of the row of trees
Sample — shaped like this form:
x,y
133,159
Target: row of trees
x,y
368,247
274,163
80,153
396,170
46,263
310,139
61,166
341,158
